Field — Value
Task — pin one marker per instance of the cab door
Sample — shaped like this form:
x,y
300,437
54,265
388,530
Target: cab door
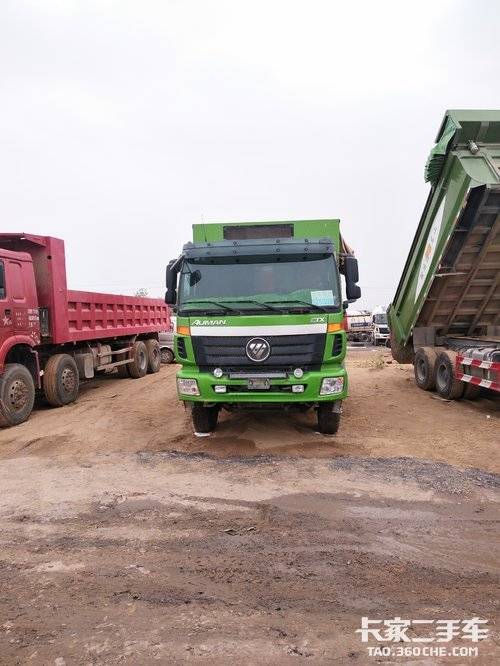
x,y
19,314
6,324
14,315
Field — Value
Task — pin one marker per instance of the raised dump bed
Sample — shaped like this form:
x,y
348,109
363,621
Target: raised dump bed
x,y
445,316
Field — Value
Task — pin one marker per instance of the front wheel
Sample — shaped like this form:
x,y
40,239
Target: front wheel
x,y
328,418
204,418
17,395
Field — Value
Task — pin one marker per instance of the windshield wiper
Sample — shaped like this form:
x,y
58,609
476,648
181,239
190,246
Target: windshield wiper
x,y
223,307
266,306
319,308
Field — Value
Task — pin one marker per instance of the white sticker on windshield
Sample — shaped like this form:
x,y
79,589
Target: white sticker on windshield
x,y
322,297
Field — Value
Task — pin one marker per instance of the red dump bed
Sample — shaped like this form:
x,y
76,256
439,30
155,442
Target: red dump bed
x,y
91,315
72,316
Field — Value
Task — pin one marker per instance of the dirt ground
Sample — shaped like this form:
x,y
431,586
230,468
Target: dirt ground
x,y
127,540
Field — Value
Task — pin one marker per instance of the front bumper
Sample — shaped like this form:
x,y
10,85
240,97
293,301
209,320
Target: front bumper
x,y
280,389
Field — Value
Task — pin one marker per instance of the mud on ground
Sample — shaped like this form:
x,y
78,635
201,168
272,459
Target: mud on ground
x,y
125,539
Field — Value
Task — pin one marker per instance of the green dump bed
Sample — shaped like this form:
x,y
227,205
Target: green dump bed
x,y
450,286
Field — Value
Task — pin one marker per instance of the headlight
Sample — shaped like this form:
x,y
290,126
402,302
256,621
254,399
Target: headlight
x,y
187,386
218,373
298,372
332,385
298,388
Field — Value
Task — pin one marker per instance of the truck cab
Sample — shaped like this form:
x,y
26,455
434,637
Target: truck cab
x,y
260,319
380,322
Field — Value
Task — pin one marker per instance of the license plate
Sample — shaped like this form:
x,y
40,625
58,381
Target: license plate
x,y
258,384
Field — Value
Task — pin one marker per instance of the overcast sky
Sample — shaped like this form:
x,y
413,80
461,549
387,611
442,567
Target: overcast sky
x,y
123,122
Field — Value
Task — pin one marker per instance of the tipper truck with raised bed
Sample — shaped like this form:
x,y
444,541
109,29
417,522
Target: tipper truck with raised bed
x,y
445,316
51,337
261,320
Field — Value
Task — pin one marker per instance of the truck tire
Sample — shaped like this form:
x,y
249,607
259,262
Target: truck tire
x,y
154,355
139,366
447,385
328,420
401,353
61,380
204,418
17,395
424,366
167,356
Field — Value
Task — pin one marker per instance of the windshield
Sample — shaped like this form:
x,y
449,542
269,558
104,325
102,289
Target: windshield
x,y
246,285
380,318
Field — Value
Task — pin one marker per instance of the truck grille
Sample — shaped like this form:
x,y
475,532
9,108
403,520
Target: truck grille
x,y
305,351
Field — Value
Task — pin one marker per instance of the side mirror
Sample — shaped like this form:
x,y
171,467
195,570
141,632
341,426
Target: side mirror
x,y
351,273
353,292
171,282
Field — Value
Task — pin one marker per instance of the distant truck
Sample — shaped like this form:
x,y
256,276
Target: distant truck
x,y
359,326
445,316
51,338
380,326
260,319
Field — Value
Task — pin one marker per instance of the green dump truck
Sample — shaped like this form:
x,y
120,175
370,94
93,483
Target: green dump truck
x,y
445,316
260,318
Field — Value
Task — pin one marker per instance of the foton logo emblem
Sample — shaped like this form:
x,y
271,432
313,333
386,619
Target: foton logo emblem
x,y
258,349
209,322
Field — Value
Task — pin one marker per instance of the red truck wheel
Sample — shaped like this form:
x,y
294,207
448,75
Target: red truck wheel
x,y
154,355
139,366
17,394
61,381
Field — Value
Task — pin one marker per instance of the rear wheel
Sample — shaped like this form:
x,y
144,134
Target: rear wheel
x,y
204,418
328,419
447,385
167,356
61,381
424,366
17,394
139,366
154,355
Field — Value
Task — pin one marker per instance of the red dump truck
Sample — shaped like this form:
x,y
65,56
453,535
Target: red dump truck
x,y
52,337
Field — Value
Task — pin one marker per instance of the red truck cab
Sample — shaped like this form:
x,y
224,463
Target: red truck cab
x,y
19,316
52,337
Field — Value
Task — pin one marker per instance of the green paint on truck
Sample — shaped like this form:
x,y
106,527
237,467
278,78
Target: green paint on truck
x,y
260,318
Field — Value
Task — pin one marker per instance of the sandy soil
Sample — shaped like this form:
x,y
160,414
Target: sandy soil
x,y
125,539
